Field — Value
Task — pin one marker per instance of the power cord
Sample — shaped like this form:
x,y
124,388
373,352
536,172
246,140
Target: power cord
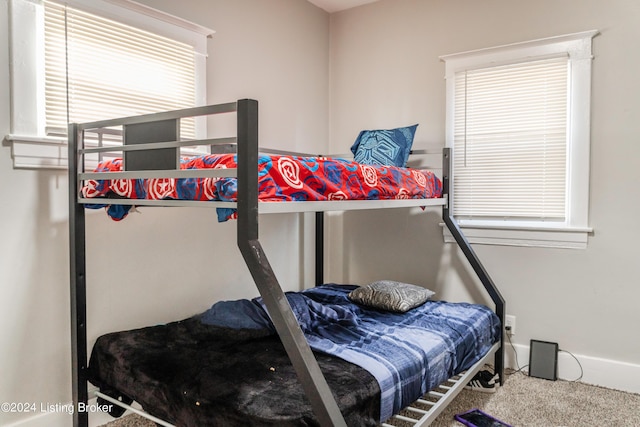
x,y
508,329
520,369
579,364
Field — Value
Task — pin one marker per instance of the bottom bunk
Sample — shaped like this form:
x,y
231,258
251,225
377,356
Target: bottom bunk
x,y
227,366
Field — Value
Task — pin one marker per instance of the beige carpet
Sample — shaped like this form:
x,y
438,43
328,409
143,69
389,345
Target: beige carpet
x,y
528,402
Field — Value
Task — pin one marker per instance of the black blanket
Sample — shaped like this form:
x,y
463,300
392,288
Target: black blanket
x,y
191,374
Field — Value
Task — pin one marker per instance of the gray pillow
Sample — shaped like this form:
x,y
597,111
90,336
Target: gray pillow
x,y
391,296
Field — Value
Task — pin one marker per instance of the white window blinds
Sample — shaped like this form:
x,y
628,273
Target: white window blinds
x,y
510,141
109,70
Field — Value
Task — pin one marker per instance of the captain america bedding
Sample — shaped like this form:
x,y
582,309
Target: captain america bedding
x,y
227,366
280,178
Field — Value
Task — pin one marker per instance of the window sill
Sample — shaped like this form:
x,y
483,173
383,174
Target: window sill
x,y
564,237
28,152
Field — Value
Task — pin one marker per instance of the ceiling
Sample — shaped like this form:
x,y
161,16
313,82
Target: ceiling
x,y
338,5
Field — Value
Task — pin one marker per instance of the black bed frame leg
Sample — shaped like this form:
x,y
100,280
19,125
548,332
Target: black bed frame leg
x,y
77,251
473,259
304,362
319,248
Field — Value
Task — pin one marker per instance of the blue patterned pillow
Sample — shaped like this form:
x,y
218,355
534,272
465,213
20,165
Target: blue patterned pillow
x,y
389,147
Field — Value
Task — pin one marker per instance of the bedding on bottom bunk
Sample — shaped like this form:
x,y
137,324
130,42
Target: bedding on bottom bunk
x,y
227,366
280,178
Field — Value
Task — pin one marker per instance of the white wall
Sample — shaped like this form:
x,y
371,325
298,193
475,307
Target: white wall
x,y
171,263
385,72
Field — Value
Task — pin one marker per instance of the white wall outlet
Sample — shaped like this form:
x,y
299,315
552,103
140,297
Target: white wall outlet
x,y
510,324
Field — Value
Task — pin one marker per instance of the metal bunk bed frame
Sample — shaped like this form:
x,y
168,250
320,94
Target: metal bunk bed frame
x,y
313,382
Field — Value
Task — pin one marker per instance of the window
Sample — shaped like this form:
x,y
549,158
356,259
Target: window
x,y
518,125
97,59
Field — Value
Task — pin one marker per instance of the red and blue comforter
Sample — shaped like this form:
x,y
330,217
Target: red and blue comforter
x,y
280,178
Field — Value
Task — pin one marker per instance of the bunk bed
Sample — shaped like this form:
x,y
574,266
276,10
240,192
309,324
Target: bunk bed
x,y
332,389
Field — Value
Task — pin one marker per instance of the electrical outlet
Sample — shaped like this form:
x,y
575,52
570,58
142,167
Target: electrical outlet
x,y
510,324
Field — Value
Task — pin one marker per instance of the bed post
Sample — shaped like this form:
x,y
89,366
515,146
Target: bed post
x,y
319,248
77,266
463,243
304,362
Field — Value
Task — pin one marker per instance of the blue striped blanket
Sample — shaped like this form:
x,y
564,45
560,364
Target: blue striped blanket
x,y
408,353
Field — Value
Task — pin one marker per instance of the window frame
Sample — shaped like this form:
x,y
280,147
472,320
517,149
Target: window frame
x,y
574,231
31,147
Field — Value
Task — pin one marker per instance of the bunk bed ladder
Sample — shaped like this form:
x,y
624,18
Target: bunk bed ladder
x,y
465,246
302,358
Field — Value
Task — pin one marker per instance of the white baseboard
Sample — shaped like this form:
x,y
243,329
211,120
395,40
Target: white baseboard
x,y
55,419
52,419
596,371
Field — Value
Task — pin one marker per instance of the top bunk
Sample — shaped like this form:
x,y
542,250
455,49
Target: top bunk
x,y
137,161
